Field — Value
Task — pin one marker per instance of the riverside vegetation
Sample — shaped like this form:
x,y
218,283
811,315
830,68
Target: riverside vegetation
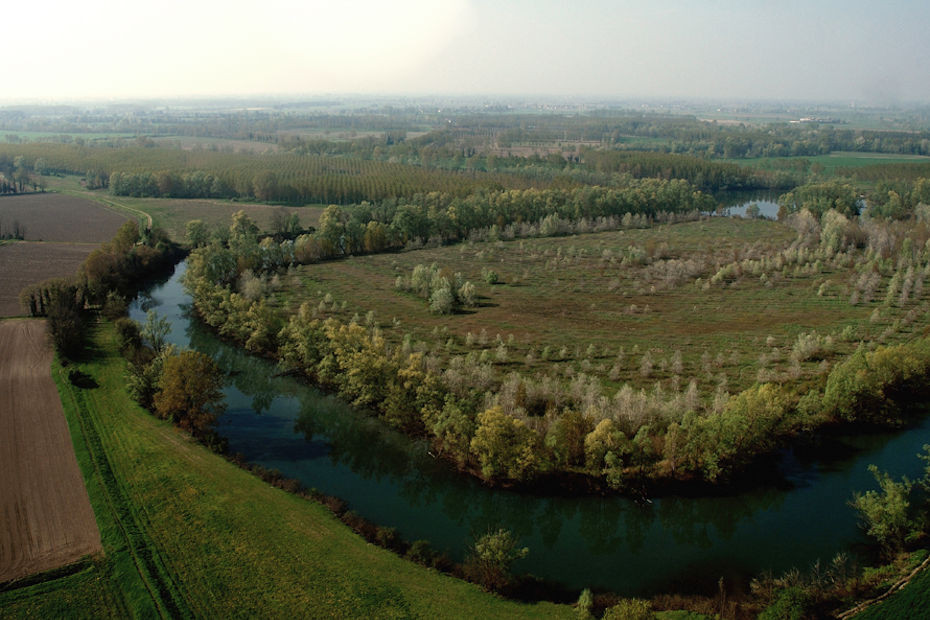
x,y
658,399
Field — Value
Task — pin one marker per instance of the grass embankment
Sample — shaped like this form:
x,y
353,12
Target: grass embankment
x,y
187,533
911,601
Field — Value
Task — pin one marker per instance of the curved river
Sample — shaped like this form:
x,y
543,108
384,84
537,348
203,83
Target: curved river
x,y
681,543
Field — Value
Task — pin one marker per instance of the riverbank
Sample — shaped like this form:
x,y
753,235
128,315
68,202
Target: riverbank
x,y
187,533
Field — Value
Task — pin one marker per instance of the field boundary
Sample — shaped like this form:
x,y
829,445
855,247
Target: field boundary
x,y
141,216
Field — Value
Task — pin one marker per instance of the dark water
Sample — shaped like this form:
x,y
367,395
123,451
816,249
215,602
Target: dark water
x,y
675,542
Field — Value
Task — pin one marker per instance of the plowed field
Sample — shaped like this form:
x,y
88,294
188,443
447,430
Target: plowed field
x,y
45,516
60,231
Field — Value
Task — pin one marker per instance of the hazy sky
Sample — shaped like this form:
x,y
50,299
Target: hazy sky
x,y
749,49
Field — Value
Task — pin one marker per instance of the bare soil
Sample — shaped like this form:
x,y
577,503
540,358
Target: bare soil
x,y
60,232
58,217
23,263
46,520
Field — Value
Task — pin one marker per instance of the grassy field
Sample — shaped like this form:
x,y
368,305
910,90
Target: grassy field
x,y
186,533
833,163
598,303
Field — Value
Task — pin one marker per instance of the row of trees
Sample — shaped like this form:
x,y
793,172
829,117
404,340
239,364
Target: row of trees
x,y
271,177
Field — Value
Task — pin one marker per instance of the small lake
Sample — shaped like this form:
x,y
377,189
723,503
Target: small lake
x,y
737,203
683,543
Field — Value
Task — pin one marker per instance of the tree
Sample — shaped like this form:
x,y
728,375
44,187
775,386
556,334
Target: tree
x,y
504,446
189,393
886,514
492,557
197,234
65,310
155,331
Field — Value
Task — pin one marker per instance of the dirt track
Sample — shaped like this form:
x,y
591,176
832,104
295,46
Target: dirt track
x,y
45,516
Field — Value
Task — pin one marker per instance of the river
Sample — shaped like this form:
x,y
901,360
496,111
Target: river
x,y
674,543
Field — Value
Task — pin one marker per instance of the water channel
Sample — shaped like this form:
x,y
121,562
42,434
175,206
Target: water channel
x,y
683,543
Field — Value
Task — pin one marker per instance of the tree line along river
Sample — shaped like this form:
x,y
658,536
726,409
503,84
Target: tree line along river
x,y
633,548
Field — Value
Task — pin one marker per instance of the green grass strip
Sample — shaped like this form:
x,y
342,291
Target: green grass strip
x,y
188,534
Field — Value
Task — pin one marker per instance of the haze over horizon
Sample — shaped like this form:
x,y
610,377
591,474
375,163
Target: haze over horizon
x,y
829,51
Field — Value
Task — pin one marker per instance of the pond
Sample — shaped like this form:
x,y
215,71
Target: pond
x,y
738,203
680,543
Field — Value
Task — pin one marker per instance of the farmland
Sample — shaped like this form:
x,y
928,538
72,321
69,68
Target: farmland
x,y
48,521
58,217
60,231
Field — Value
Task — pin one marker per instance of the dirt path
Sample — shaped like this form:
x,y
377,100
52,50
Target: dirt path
x,y
45,516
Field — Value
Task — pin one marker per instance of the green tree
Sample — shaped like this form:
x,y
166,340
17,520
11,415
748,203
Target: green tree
x,y
491,558
885,513
504,446
155,331
190,392
197,234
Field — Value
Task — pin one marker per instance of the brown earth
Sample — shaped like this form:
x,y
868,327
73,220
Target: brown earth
x,y
76,226
58,217
23,263
45,516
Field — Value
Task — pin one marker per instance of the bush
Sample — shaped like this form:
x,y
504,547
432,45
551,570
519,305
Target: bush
x,y
491,558
630,609
790,604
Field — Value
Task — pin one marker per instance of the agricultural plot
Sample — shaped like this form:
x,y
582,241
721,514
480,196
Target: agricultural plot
x,y
60,231
58,217
47,517
23,263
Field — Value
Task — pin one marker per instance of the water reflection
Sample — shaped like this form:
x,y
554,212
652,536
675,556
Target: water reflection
x,y
609,542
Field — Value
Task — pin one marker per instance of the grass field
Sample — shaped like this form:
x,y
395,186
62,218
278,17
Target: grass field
x,y
833,163
186,533
599,302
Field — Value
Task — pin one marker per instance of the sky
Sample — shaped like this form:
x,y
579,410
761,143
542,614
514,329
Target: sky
x,y
826,50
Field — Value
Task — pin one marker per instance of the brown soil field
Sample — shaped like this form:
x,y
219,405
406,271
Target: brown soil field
x,y
46,520
23,263
58,217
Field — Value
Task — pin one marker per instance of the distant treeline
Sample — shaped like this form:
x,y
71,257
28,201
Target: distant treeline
x,y
469,128
281,177
439,218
